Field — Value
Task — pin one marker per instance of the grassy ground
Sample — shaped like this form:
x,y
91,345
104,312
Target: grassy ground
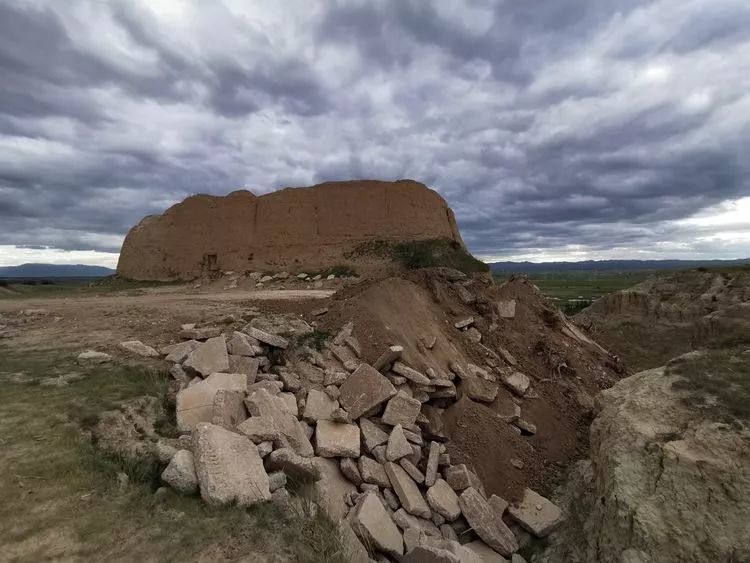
x,y
717,381
61,498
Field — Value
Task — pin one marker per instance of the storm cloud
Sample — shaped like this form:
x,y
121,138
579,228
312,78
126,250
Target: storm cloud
x,y
575,129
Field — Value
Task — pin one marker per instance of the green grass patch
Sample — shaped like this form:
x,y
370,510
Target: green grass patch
x,y
51,288
413,255
316,339
717,382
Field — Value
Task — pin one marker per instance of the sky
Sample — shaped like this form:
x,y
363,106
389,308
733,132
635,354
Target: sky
x,y
556,130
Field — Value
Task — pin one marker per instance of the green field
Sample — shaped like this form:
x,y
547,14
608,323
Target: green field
x,y
576,290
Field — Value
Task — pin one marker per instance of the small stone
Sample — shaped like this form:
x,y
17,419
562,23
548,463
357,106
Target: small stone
x,y
431,471
498,504
485,553
372,434
210,357
412,470
391,499
139,348
333,393
180,473
536,514
478,389
245,365
506,309
276,480
228,409
407,491
372,472
266,337
334,377
364,391
444,500
290,380
203,333
448,532
473,335
517,463
410,374
483,519
378,452
350,470
401,409
93,357
404,520
398,446
240,344
334,439
265,448
303,469
518,382
463,323
340,415
375,527
318,406
414,437
319,312
353,344
525,426
385,359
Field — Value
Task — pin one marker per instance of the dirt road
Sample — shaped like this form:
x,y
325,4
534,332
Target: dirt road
x,y
153,315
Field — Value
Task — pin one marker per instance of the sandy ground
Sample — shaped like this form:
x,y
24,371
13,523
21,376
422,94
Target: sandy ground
x,y
153,316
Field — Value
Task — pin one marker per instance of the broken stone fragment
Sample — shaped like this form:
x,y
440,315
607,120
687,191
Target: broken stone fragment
x,y
302,469
463,323
259,429
407,491
372,434
334,439
139,348
385,359
412,470
391,499
318,406
536,514
526,426
203,333
464,294
478,389
506,309
181,351
460,477
398,445
350,470
374,526
266,337
411,374
334,377
228,408
401,409
498,504
364,391
353,345
473,335
431,471
331,490
195,403
518,382
483,519
180,473
444,500
404,520
93,357
276,480
372,472
240,344
485,553
228,467
210,357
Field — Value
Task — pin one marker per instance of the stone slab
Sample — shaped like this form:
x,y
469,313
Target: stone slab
x,y
371,522
336,439
401,409
210,357
364,390
195,403
407,491
228,467
483,519
536,514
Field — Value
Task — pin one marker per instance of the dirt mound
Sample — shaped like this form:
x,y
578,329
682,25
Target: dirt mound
x,y
419,312
297,229
669,315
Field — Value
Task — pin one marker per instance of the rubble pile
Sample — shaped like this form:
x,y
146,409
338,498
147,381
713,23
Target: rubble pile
x,y
259,411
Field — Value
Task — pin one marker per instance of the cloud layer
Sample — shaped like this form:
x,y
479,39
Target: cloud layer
x,y
554,129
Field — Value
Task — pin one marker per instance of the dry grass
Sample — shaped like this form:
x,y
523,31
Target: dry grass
x,y
62,499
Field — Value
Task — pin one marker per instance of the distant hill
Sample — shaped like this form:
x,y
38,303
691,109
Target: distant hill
x,y
55,271
611,265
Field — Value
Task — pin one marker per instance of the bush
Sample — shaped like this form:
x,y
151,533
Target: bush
x,y
431,253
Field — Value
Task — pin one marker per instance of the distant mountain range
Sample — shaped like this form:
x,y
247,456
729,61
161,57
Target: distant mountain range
x,y
55,271
604,265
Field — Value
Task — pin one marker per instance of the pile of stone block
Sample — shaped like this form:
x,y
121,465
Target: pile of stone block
x,y
359,438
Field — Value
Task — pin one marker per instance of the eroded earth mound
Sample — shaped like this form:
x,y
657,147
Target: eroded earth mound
x,y
665,316
295,229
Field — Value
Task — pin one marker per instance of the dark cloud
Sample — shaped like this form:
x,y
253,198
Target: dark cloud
x,y
595,125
